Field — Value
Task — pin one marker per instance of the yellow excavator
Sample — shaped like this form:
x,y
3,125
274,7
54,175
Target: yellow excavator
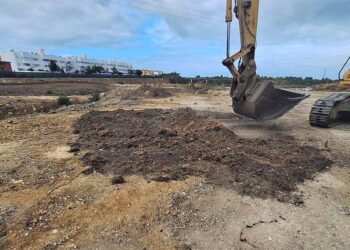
x,y
252,97
345,81
334,109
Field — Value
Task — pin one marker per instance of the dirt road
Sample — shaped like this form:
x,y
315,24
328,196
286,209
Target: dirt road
x,y
48,201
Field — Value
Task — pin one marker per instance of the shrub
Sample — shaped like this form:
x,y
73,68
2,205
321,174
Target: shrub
x,y
95,97
53,66
63,100
138,72
175,78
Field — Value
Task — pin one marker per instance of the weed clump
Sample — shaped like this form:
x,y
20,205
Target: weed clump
x,y
63,100
95,97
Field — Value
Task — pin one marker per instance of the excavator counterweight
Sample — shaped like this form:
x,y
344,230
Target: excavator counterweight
x,y
252,97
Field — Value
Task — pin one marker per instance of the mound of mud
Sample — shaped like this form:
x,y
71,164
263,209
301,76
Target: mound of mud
x,y
129,94
147,91
199,89
165,145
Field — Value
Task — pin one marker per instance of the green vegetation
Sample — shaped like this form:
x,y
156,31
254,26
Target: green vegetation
x,y
63,100
116,72
138,72
94,69
135,72
176,78
291,81
53,66
95,97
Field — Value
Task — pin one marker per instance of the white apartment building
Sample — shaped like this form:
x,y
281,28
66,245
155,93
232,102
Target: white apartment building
x,y
39,62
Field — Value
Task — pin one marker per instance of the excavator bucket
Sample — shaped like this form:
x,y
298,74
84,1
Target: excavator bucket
x,y
265,102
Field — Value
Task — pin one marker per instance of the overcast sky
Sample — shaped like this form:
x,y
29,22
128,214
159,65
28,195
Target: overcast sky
x,y
295,37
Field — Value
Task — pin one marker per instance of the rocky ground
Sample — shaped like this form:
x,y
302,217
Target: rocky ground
x,y
149,175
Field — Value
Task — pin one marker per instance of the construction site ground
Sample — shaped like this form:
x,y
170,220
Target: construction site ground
x,y
169,167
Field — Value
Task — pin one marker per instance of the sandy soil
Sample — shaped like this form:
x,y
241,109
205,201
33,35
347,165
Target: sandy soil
x,y
11,106
53,89
47,202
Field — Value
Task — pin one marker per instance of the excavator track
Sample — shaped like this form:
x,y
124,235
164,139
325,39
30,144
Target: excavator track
x,y
322,113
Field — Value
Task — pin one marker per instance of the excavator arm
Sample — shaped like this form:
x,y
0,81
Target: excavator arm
x,y
252,97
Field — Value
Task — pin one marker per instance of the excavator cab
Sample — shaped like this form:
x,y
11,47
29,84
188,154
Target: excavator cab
x,y
251,96
345,81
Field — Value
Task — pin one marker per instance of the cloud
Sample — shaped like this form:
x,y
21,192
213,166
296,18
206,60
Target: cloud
x,y
317,20
161,34
189,19
320,21
28,24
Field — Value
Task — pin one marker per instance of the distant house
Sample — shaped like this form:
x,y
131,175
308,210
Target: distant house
x,y
39,62
5,66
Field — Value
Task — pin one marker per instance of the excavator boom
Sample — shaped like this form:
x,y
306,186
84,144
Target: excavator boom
x,y
252,97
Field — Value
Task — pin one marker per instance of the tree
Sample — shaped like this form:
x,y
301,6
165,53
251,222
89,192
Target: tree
x,y
88,70
100,69
63,100
97,69
94,69
175,78
131,72
138,72
69,67
114,70
53,66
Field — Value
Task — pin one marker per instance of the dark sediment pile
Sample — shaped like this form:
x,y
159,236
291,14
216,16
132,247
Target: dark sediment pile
x,y
165,145
147,91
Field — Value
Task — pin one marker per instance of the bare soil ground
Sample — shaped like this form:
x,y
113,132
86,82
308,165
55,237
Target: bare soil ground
x,y
49,200
29,96
53,89
11,106
71,87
